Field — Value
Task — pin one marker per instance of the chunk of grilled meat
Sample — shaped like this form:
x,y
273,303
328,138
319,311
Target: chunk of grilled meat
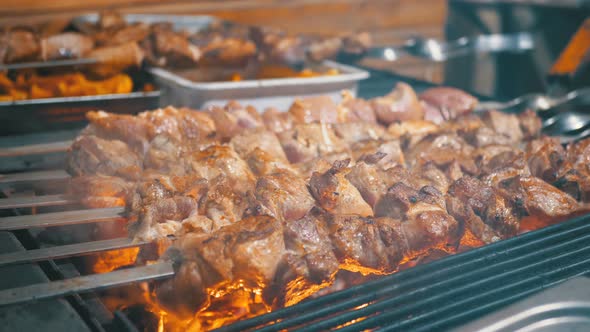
x,y
19,45
538,198
401,104
282,195
308,141
336,194
474,203
249,251
574,174
314,109
65,45
91,155
258,138
234,118
445,103
115,59
101,191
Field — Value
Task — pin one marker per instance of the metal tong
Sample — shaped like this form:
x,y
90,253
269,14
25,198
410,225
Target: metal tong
x,y
438,50
558,120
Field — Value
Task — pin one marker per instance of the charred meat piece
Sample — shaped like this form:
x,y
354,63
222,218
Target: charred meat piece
x,y
163,154
263,163
389,152
20,45
91,155
429,175
226,51
163,217
184,124
277,121
250,250
449,102
357,243
487,204
115,59
110,19
306,142
538,198
355,109
224,201
282,195
504,124
442,150
309,250
65,45
352,132
545,157
133,130
574,175
175,48
130,33
425,223
314,109
258,138
530,124
234,118
100,191
373,181
155,187
412,131
221,161
336,194
401,104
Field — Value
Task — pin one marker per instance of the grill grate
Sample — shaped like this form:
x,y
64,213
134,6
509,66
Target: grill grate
x,y
448,292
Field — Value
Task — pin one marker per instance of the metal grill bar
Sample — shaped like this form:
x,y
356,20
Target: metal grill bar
x,y
85,284
44,148
65,251
52,175
61,218
425,281
35,201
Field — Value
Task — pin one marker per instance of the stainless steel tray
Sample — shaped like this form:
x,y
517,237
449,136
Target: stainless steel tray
x,y
278,93
562,308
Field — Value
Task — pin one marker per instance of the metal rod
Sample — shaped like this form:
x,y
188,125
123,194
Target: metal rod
x,y
35,201
45,64
52,175
61,218
66,251
44,148
85,284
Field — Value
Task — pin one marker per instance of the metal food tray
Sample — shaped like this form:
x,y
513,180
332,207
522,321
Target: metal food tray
x,y
562,308
49,114
280,93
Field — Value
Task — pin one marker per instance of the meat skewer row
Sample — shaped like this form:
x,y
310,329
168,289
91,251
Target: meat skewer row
x,y
281,201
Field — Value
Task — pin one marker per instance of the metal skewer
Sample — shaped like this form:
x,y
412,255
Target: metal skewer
x,y
44,148
85,284
61,218
45,64
52,175
35,201
65,251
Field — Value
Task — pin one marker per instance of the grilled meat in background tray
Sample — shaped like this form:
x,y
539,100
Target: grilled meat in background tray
x,y
280,204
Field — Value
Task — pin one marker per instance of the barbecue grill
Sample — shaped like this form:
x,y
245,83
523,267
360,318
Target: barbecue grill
x,y
443,294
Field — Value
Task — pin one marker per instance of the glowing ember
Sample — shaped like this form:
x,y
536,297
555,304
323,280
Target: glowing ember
x,y
112,260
